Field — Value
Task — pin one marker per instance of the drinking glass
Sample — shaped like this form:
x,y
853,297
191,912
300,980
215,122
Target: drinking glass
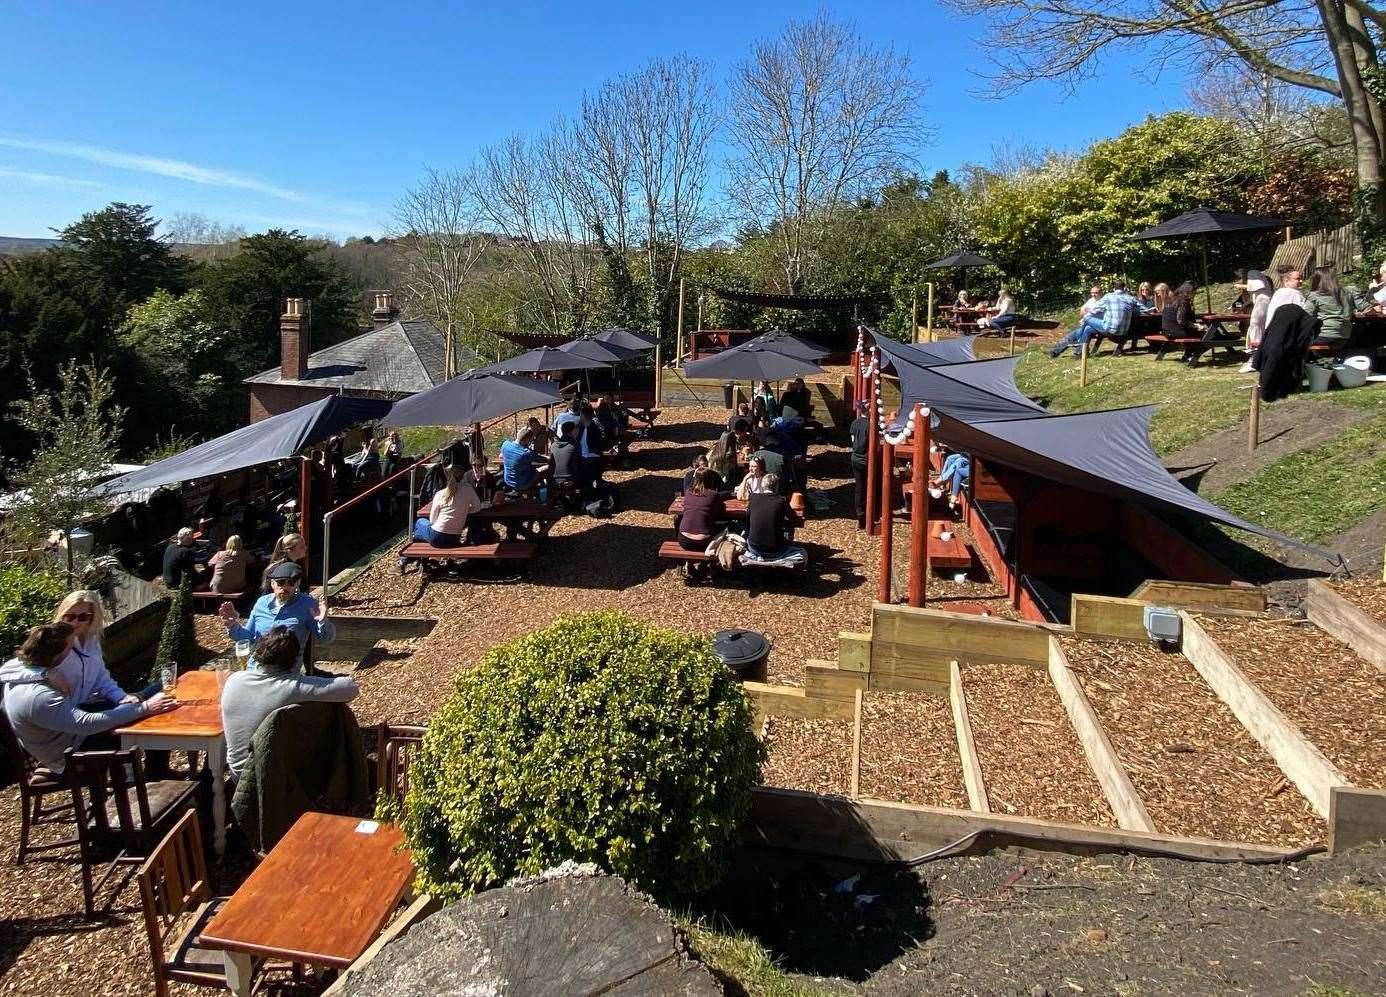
x,y
242,653
168,678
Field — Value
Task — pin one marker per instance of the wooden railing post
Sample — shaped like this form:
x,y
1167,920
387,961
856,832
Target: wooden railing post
x,y
873,450
884,585
919,509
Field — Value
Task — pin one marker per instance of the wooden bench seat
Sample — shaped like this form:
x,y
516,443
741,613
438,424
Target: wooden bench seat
x,y
217,596
950,553
504,550
672,550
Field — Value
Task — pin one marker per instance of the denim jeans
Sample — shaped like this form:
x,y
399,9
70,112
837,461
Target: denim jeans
x,y
1086,329
956,468
423,530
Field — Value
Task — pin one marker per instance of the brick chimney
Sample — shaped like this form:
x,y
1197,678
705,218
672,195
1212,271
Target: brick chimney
x,y
293,339
385,311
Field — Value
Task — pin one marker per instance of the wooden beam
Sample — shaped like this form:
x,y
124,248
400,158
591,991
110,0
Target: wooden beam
x,y
792,701
1355,817
1105,616
873,452
967,748
902,631
886,496
1102,758
1302,762
1202,596
1335,615
834,826
919,510
824,680
853,651
856,745
421,908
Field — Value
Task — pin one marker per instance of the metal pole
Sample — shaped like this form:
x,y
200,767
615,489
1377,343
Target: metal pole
x,y
884,581
659,371
919,509
410,509
1207,291
326,551
700,313
1253,426
873,452
305,495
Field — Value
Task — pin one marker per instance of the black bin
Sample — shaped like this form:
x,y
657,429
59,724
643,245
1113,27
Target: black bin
x,y
729,394
744,652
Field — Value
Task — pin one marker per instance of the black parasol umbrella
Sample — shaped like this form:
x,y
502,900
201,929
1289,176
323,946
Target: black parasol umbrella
x,y
471,398
624,337
782,342
592,349
541,361
961,262
1202,222
742,364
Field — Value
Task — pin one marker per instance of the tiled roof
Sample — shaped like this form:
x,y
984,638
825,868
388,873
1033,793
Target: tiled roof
x,y
400,358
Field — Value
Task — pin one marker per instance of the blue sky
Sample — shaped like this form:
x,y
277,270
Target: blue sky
x,y
318,115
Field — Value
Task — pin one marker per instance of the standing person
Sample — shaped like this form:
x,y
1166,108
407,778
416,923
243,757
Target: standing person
x,y
448,511
45,716
83,671
393,453
180,558
1288,293
759,414
252,695
770,526
573,413
1333,305
286,607
703,510
796,403
228,568
291,547
767,393
590,444
860,432
1258,288
1110,317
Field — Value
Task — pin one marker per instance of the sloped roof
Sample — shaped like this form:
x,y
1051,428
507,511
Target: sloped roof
x,y
403,358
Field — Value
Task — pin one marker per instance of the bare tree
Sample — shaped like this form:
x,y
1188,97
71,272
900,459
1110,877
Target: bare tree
x,y
534,193
1274,117
439,245
818,116
1320,45
644,141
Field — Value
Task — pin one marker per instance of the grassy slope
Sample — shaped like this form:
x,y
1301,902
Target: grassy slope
x,y
1312,494
736,957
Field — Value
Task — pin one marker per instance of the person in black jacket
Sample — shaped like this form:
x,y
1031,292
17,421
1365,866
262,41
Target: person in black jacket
x,y
860,432
770,527
567,463
1280,358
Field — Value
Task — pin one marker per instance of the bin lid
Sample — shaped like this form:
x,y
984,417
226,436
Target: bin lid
x,y
740,647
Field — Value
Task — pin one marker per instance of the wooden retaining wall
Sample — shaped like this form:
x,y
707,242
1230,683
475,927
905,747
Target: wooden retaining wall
x,y
1339,618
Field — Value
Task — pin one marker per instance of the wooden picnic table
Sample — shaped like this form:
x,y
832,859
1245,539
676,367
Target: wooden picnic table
x,y
523,519
320,897
736,509
194,726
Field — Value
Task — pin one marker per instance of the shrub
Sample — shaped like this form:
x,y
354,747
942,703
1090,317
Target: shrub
x,y
178,640
600,739
27,598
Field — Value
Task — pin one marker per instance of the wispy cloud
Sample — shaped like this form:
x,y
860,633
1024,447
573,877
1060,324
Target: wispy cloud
x,y
29,176
175,168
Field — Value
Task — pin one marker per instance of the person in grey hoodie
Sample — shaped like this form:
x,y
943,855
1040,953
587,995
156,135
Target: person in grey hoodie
x,y
45,718
255,693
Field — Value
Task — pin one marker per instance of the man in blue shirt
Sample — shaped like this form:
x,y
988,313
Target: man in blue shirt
x,y
520,464
286,607
1111,316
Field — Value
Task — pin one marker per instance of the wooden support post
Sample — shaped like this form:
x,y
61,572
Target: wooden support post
x,y
678,358
305,497
873,453
967,747
914,318
856,745
700,313
929,316
919,509
1083,376
659,372
886,499
1253,423
1012,353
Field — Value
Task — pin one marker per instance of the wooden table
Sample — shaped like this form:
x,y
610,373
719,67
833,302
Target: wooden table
x,y
523,519
736,509
319,898
194,726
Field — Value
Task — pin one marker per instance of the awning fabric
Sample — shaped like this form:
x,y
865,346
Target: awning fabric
x,y
751,365
977,391
276,438
956,350
1202,221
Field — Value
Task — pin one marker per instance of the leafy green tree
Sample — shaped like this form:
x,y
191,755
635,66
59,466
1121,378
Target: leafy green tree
x,y
116,256
244,296
178,639
182,359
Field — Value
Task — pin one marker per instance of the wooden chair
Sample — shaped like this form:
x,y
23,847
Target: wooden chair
x,y
178,903
394,746
118,810
35,783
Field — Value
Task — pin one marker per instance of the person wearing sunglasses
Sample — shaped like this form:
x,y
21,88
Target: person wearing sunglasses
x,y
83,670
285,607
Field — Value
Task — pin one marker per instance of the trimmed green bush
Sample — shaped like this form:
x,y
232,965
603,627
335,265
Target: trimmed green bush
x,y
600,739
178,640
28,597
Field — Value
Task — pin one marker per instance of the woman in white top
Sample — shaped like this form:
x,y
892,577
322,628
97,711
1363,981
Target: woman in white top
x,y
1288,293
84,670
1258,288
754,482
448,512
1004,310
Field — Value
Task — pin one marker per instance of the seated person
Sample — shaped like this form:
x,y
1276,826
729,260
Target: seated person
x,y
253,694
228,568
754,481
776,463
722,457
701,466
43,713
703,510
743,412
366,461
796,400
481,478
448,512
180,558
573,413
957,467
567,461
770,525
521,467
542,437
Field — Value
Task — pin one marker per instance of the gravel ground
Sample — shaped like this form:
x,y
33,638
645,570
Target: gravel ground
x,y
1337,699
909,750
1368,595
1194,765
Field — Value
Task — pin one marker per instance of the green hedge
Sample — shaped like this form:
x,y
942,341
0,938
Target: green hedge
x,y
600,739
28,597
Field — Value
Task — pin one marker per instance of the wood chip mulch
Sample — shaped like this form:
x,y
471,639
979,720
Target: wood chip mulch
x,y
1196,768
1032,761
1367,594
909,750
811,755
1337,699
